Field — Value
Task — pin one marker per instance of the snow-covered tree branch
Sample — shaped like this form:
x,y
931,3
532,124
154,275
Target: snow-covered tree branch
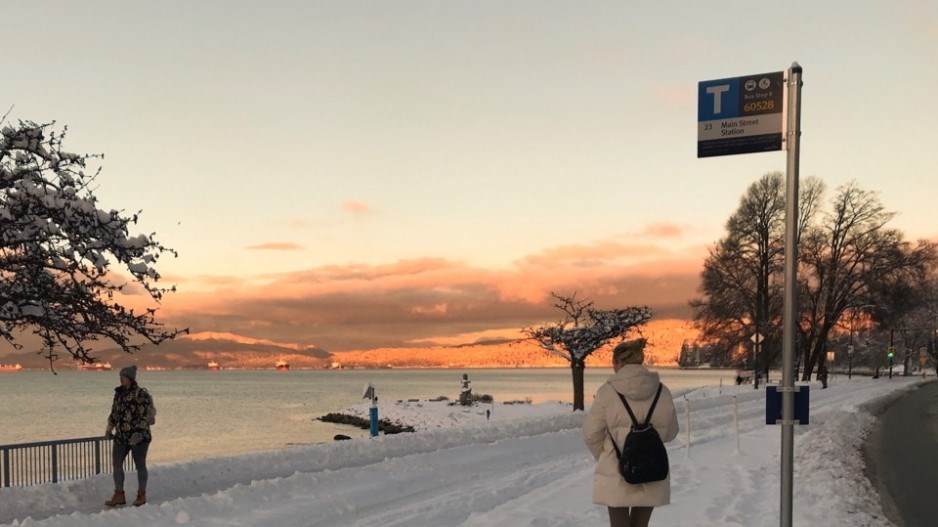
x,y
57,250
584,330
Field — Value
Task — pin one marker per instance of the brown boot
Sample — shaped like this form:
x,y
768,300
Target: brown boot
x,y
141,498
117,499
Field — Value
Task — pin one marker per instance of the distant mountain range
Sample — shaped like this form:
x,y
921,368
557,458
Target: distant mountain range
x,y
233,351
664,345
195,351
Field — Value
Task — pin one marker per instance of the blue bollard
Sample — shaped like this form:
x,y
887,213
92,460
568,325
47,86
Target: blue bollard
x,y
374,420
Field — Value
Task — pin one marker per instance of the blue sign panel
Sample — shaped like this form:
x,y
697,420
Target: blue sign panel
x,y
773,404
740,115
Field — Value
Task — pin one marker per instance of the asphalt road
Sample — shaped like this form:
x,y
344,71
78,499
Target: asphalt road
x,y
902,455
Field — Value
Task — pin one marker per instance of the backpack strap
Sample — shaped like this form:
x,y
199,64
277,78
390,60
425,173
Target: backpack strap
x,y
651,410
614,445
632,415
653,404
628,409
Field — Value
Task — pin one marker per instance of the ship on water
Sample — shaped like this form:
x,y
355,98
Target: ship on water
x,y
212,365
282,365
11,367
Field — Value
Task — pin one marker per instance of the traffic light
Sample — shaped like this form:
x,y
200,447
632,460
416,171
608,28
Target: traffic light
x,y
890,352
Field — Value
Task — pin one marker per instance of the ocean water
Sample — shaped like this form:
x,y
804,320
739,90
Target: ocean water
x,y
214,413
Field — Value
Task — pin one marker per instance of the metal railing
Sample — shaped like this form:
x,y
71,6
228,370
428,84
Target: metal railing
x,y
27,464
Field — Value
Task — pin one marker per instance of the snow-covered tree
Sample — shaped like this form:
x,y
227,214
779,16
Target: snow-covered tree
x,y
59,251
584,330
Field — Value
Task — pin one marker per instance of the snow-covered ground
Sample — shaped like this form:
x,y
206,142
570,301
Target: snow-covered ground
x,y
525,466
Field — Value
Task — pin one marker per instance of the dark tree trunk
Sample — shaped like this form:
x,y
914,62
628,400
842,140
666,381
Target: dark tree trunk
x,y
577,367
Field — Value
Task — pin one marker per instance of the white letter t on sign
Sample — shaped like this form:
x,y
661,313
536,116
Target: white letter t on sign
x,y
717,92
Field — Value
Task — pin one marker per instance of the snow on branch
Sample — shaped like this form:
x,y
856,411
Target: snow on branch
x,y
58,248
585,329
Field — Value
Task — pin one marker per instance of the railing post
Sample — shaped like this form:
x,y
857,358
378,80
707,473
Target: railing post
x,y
55,463
6,467
97,456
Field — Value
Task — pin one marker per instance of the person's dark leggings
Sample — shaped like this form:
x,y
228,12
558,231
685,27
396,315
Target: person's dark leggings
x,y
629,516
139,453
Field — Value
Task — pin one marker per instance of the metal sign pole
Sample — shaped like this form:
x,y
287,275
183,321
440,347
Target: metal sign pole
x,y
790,300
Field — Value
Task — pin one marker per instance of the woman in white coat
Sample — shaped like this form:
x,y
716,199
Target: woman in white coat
x,y
629,505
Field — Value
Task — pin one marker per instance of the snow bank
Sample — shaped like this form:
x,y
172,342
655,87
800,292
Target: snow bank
x,y
525,466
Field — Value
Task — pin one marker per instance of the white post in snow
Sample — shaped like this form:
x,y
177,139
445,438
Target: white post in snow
x,y
736,421
687,422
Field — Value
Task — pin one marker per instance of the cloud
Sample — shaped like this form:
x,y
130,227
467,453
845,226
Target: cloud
x,y
433,300
489,335
357,208
423,310
593,254
232,337
276,246
664,230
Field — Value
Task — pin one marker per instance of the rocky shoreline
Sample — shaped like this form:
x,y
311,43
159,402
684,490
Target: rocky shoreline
x,y
397,426
384,425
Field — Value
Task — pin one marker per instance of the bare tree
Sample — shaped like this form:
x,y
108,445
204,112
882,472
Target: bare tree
x,y
58,248
930,317
906,300
845,258
742,280
584,330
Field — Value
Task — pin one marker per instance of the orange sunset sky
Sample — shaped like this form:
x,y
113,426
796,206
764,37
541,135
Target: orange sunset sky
x,y
358,175
437,301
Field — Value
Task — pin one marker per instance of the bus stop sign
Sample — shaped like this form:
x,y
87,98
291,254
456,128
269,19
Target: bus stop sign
x,y
740,115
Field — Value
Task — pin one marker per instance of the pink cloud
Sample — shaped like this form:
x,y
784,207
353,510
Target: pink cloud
x,y
593,254
664,230
358,208
362,306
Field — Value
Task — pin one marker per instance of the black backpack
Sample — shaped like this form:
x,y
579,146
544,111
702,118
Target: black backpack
x,y
643,457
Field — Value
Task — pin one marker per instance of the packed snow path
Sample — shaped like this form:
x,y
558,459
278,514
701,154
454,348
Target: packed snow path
x,y
514,470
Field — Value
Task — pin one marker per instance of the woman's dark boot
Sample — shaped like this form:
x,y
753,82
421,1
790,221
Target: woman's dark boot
x,y
117,499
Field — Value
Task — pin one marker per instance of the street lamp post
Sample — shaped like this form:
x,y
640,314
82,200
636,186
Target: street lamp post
x,y
756,344
850,358
892,351
825,368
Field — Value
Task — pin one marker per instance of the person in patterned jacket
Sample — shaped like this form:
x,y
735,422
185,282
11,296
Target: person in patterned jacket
x,y
128,425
